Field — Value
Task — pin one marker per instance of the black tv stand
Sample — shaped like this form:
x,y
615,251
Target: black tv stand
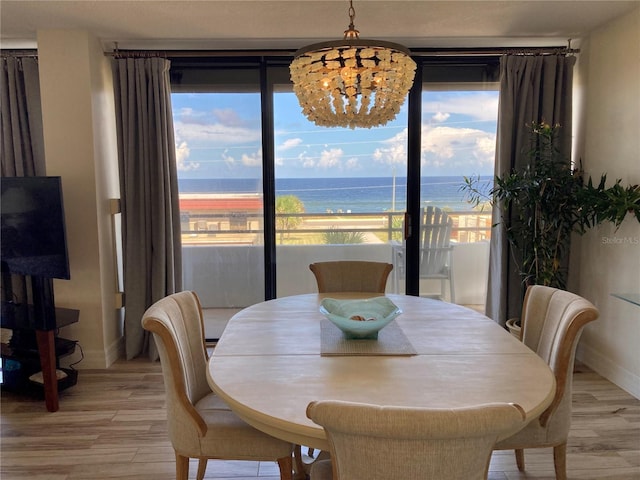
x,y
35,329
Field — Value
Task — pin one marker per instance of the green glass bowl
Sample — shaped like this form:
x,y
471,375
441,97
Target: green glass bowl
x,y
376,313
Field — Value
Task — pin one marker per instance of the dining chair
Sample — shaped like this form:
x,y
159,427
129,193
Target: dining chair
x,y
552,322
385,442
351,276
201,425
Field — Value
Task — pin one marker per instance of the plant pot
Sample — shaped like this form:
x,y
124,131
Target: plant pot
x,y
513,324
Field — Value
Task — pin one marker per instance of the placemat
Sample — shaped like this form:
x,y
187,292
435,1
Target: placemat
x,y
391,341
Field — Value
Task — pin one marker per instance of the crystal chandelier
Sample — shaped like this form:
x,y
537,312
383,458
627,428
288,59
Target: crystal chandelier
x,y
352,82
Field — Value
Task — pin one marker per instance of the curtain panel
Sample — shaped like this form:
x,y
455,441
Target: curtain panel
x,y
21,137
152,253
533,88
21,140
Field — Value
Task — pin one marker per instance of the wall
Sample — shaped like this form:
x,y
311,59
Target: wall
x,y
608,260
80,146
212,271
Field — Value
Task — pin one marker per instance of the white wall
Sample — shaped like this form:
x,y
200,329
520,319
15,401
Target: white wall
x,y
80,146
608,260
232,276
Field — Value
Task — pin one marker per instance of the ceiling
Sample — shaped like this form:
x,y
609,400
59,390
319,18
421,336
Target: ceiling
x,y
266,24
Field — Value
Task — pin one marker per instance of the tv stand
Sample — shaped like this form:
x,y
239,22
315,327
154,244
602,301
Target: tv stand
x,y
27,320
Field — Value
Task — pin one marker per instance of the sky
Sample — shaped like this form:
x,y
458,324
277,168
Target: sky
x,y
218,136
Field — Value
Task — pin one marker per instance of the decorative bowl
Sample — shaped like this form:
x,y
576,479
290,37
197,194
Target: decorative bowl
x,y
361,319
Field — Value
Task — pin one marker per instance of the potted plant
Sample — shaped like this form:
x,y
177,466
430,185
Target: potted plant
x,y
545,203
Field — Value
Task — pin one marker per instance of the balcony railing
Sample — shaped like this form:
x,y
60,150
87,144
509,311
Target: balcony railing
x,y
247,228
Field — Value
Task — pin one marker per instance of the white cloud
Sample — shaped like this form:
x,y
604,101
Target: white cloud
x,y
229,117
290,143
182,158
228,159
440,117
252,160
216,133
478,105
458,147
395,150
330,158
352,164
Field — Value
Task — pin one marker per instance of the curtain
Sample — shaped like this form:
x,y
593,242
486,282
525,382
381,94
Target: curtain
x,y
21,142
149,192
21,139
532,89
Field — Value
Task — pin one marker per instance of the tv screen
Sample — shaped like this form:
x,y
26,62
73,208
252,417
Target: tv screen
x,y
33,240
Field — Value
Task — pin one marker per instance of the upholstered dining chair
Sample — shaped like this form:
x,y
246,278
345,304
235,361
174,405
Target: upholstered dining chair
x,y
201,425
552,322
385,442
351,276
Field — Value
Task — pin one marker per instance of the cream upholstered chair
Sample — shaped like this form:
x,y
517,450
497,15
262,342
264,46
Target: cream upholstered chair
x,y
351,276
201,425
381,443
552,321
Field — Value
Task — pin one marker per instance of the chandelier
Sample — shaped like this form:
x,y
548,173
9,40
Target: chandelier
x,y
352,82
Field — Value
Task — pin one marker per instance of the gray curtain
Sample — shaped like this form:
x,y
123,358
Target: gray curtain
x,y
21,143
149,192
533,88
21,140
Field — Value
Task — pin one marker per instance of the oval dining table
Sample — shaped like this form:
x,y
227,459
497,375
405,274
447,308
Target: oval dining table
x,y
269,364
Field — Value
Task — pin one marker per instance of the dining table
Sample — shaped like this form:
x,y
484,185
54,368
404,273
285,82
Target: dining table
x,y
275,357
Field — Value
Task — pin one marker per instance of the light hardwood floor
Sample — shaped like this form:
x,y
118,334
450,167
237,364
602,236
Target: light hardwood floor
x,y
112,425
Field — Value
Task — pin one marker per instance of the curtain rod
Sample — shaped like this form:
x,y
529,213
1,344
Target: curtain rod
x,y
19,53
419,52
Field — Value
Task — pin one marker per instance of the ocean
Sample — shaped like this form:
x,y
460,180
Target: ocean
x,y
355,195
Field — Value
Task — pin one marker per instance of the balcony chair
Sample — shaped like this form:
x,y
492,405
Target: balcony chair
x,y
435,251
380,443
201,425
351,276
552,321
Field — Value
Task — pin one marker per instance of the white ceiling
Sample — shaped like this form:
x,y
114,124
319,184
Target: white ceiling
x,y
266,24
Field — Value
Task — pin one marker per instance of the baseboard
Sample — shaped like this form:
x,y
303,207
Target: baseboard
x,y
96,359
115,351
611,371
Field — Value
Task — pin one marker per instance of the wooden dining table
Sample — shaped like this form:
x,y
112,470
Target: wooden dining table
x,y
271,362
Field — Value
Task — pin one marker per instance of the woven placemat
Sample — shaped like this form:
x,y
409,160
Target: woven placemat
x,y
391,341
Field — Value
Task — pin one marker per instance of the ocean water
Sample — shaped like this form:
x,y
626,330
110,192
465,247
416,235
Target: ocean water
x,y
356,195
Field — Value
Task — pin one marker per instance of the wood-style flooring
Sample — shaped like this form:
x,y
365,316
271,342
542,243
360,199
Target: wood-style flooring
x,y
112,425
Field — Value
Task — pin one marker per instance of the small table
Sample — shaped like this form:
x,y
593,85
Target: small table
x,y
268,365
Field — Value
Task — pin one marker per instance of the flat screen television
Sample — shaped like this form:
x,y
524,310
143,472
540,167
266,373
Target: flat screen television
x,y
33,238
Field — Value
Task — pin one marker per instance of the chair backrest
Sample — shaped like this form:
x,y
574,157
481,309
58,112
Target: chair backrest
x,y
383,442
351,276
178,330
435,240
552,321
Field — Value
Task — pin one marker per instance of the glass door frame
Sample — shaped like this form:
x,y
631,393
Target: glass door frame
x,y
272,72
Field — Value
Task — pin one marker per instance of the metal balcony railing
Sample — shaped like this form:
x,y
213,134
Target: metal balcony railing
x,y
247,228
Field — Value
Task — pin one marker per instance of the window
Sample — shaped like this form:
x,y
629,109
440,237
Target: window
x,y
264,192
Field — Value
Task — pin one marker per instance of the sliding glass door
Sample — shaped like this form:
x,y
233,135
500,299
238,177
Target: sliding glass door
x,y
264,192
219,154
340,193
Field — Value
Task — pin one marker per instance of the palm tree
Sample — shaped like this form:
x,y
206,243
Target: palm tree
x,y
288,204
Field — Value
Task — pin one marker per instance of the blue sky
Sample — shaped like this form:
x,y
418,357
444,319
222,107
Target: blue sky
x,y
218,136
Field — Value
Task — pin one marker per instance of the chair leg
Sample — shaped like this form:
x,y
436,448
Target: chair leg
x,y
520,459
182,467
300,473
286,468
202,468
560,461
